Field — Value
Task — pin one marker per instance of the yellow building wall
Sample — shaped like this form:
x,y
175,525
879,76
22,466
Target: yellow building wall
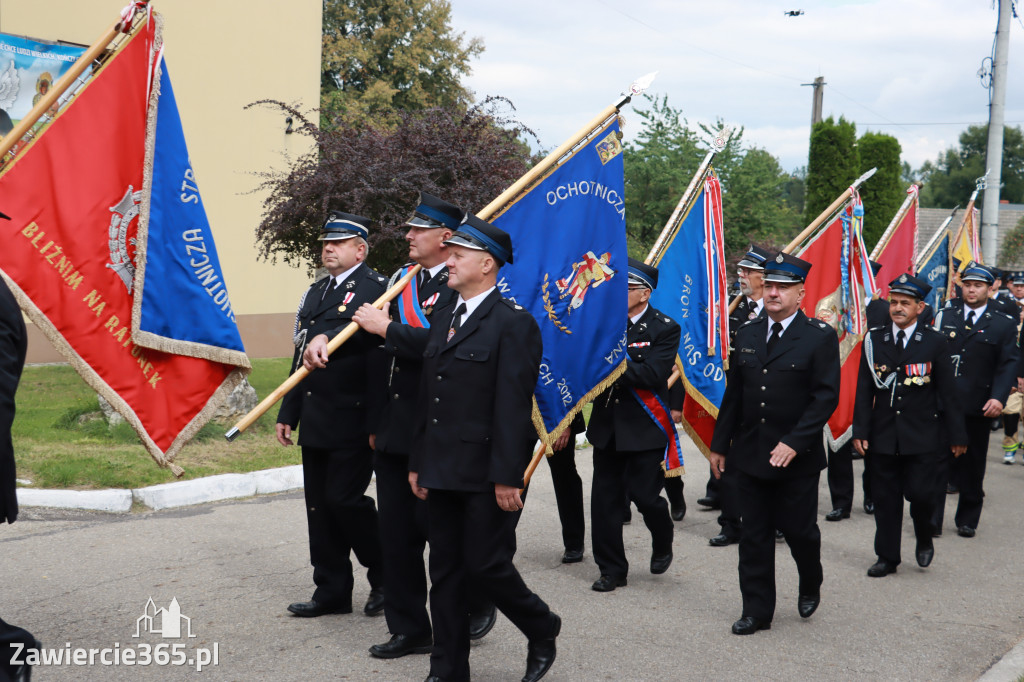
x,y
222,55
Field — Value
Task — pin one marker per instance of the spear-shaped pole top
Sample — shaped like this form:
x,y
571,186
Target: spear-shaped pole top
x,y
864,178
637,87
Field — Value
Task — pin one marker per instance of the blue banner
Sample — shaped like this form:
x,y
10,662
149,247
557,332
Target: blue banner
x,y
687,289
28,70
184,296
569,247
935,271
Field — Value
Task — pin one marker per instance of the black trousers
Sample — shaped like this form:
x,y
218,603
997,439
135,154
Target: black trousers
x,y
472,541
674,492
791,506
617,474
895,477
341,520
10,636
840,477
568,495
966,472
403,537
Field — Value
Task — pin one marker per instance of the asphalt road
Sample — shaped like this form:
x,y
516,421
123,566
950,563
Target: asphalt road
x,y
82,580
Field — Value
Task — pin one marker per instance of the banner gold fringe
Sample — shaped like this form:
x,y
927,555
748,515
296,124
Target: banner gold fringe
x,y
538,421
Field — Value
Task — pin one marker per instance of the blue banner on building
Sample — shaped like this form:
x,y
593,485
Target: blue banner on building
x,y
569,240
28,70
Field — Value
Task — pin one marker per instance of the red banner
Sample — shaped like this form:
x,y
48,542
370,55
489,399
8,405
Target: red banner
x,y
898,252
74,196
824,300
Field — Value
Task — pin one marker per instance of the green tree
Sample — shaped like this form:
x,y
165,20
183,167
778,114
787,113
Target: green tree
x,y
833,164
950,179
753,204
380,56
884,192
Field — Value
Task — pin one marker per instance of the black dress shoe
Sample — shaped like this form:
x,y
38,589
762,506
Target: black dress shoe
x,y
400,645
965,531
313,608
837,515
434,678
572,556
660,563
925,554
780,536
936,532
627,519
881,568
678,513
481,623
806,604
712,502
375,603
607,583
723,540
952,489
869,506
540,653
748,625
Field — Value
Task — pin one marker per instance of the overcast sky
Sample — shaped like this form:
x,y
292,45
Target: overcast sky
x,y
903,67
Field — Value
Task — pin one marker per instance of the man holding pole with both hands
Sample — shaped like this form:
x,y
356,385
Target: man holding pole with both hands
x,y
473,440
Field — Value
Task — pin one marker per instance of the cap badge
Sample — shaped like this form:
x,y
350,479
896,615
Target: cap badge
x,y
779,258
903,279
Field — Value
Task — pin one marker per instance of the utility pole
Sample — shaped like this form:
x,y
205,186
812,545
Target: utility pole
x,y
994,152
819,91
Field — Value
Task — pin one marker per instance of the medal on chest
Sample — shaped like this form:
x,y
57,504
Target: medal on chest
x,y
428,305
344,303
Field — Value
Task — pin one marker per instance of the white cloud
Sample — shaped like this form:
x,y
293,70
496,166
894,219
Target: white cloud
x,y
884,62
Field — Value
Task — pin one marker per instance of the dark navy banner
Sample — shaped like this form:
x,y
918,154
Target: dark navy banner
x,y
569,247
184,295
935,271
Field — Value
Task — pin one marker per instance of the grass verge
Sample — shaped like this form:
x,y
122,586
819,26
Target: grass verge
x,y
58,445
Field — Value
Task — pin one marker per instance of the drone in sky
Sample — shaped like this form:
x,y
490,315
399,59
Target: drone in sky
x,y
793,12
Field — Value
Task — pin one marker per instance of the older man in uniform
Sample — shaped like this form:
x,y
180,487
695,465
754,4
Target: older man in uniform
x,y
330,405
395,398
629,444
474,438
905,390
781,389
983,344
721,493
1012,410
15,642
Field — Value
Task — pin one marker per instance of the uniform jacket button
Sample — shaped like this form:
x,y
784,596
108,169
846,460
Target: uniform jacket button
x,y
616,401
437,400
762,420
764,371
396,396
433,421
438,377
309,393
762,404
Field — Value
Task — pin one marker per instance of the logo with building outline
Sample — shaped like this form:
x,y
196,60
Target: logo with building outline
x,y
168,623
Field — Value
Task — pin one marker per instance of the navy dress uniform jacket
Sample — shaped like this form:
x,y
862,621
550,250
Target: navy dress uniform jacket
x,y
904,418
13,344
474,426
395,391
785,397
652,344
331,403
984,358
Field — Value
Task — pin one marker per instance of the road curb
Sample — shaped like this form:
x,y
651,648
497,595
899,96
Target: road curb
x,y
168,495
1009,668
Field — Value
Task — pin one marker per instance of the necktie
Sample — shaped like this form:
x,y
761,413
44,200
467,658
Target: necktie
x,y
421,278
330,288
900,336
970,319
774,338
457,320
